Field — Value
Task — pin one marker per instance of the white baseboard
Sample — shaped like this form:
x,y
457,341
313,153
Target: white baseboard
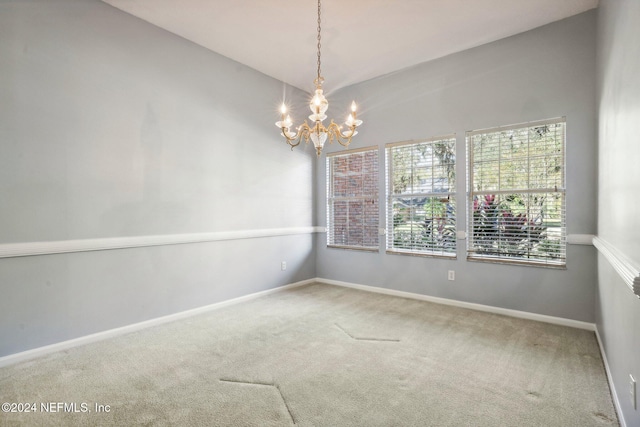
x,y
612,388
473,306
87,339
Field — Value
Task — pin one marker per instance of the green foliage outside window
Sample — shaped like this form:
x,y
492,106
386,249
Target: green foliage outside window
x,y
421,200
517,188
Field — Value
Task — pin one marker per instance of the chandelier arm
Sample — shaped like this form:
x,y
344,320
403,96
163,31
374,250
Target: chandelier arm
x,y
335,133
303,133
291,141
304,130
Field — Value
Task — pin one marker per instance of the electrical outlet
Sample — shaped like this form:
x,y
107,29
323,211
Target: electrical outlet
x,y
452,275
632,392
283,265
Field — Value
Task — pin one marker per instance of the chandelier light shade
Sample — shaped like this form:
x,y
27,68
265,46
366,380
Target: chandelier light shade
x,y
317,132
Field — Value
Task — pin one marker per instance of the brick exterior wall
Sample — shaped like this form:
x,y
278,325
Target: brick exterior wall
x,y
353,216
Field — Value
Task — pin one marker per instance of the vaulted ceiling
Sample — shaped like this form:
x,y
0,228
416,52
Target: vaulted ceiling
x,y
361,39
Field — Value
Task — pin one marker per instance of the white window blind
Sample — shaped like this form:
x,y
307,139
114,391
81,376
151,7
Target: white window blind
x,y
421,204
517,194
352,199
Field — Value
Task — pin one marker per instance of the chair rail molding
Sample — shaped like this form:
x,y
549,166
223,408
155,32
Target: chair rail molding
x,y
10,250
580,239
629,272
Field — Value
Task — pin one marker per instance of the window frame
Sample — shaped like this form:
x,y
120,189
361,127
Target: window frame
x,y
330,199
451,196
560,191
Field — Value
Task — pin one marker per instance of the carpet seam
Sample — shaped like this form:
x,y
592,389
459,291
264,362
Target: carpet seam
x,y
276,386
366,338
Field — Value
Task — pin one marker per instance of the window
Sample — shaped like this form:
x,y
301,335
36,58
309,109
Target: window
x,y
421,209
517,193
352,199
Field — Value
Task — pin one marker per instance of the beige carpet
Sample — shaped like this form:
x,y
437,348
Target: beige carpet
x,y
321,355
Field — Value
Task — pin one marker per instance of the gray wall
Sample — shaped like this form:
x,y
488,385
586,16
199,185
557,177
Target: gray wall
x,y
544,73
111,127
617,309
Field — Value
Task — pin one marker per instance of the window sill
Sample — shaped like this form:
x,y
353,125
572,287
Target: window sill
x,y
521,263
354,248
422,254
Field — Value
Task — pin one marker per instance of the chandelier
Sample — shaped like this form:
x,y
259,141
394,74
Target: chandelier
x,y
317,132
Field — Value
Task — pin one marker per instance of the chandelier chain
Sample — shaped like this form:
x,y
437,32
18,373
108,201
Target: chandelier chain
x,y
319,40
